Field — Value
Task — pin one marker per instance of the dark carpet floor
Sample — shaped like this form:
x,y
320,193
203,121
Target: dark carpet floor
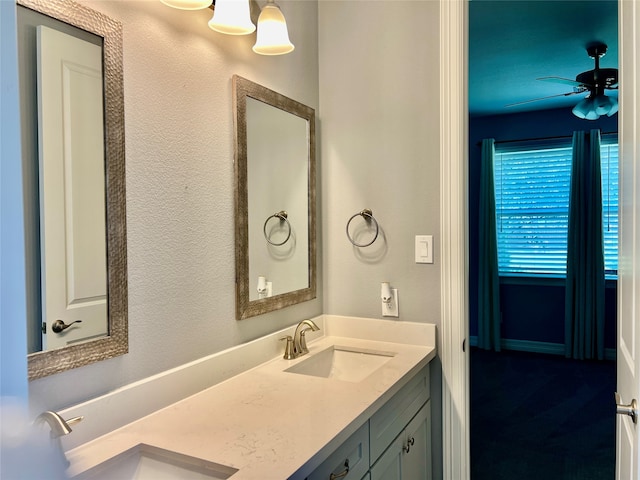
x,y
537,416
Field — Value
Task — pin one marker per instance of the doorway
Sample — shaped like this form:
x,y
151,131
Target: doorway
x,y
518,396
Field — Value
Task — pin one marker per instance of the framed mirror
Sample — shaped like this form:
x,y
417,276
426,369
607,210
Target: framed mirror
x,y
72,124
275,200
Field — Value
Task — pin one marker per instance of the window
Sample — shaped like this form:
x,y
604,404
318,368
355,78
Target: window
x,y
532,186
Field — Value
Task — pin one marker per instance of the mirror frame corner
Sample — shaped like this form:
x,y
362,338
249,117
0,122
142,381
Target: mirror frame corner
x,y
245,308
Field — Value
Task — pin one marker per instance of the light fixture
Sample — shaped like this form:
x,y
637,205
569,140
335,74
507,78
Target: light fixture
x,y
595,105
605,105
232,17
273,36
187,4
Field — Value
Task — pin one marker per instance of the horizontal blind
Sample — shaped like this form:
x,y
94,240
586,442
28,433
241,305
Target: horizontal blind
x,y
610,182
532,210
532,187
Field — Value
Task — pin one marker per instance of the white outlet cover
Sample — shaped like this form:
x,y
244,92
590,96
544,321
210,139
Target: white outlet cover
x,y
391,309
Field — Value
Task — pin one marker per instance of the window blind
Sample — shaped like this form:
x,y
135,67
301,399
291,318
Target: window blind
x,y
532,187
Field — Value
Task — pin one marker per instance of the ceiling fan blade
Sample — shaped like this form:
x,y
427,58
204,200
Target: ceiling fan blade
x,y
564,81
542,98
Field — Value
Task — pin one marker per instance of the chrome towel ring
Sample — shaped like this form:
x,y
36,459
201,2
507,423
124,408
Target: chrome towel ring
x,y
282,215
367,214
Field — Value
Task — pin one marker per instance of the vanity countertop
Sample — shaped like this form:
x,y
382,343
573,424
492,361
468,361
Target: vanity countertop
x,y
266,422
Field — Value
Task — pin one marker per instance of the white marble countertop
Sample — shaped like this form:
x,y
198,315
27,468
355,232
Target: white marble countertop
x,y
265,422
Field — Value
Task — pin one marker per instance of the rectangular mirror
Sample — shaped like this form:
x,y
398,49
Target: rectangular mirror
x,y
274,199
72,123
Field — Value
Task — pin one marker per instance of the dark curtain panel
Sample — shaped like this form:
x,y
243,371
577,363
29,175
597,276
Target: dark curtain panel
x,y
584,300
488,281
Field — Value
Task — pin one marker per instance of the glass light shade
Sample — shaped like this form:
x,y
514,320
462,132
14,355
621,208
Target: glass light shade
x,y
232,17
603,104
586,109
273,36
187,4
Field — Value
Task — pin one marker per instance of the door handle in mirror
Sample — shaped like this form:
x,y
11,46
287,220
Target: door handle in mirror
x,y
59,325
631,409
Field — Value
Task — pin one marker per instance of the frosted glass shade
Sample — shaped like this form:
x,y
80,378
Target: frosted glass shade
x,y
232,17
273,36
602,104
586,109
187,4
592,107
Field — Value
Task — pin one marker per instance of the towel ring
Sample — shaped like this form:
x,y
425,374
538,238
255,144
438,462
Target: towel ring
x,y
367,214
282,215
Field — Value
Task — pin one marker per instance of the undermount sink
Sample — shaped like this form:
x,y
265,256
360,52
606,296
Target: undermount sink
x,y
342,363
145,462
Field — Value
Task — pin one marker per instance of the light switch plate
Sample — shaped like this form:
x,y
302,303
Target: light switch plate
x,y
424,248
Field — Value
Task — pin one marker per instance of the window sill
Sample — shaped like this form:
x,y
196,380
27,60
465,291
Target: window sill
x,y
547,281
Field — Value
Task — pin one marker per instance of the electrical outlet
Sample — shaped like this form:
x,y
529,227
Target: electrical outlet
x,y
391,308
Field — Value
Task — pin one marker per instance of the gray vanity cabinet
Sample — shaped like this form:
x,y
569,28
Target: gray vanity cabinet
x,y
394,444
409,456
392,418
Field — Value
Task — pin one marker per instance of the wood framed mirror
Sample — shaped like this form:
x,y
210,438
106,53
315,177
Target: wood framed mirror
x,y
98,282
275,200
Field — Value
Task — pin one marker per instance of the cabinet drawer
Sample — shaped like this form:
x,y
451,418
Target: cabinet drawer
x,y
354,452
393,417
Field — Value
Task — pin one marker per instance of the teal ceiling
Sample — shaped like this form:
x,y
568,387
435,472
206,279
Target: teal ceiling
x,y
513,42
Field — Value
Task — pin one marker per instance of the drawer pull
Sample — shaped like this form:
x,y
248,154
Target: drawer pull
x,y
342,474
409,444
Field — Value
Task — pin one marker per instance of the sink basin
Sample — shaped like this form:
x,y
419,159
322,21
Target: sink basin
x,y
145,462
342,363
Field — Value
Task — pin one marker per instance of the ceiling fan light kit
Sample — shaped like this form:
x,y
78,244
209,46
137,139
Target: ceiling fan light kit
x,y
591,108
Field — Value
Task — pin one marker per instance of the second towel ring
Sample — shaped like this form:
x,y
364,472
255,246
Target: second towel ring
x,y
282,215
367,214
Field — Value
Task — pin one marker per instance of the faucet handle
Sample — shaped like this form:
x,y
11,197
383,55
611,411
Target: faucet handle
x,y
74,420
288,349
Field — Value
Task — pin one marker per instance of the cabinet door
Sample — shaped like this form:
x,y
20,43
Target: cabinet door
x,y
389,465
409,456
416,456
394,415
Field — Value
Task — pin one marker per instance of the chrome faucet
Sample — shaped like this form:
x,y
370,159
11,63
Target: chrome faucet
x,y
59,426
299,341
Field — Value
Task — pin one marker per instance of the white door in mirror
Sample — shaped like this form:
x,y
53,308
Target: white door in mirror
x,y
72,186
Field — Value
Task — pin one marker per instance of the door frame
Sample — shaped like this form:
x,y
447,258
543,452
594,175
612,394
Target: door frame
x,y
454,238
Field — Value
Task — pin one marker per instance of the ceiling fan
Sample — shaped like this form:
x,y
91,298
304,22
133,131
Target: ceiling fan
x,y
595,82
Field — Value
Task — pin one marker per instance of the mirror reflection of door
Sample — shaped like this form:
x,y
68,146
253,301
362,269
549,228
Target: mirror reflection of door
x,y
71,172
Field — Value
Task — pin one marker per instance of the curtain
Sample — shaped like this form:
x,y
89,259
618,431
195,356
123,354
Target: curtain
x,y
584,297
488,279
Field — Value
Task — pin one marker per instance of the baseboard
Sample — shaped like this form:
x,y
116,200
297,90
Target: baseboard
x,y
537,347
